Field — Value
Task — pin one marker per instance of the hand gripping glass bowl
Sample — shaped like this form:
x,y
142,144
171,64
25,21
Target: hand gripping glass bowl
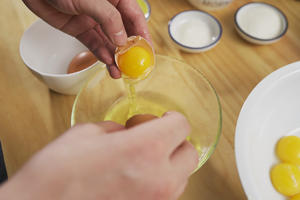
x,y
172,85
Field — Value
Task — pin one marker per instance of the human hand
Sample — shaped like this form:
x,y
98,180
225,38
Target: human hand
x,y
104,161
101,25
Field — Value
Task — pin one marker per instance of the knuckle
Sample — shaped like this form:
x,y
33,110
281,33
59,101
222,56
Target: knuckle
x,y
111,16
154,149
88,127
78,126
186,126
146,153
182,122
135,149
76,6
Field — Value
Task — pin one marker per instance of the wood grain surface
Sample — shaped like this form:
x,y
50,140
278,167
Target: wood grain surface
x,y
31,116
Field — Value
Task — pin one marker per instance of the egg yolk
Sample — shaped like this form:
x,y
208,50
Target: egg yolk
x,y
286,178
296,197
288,149
135,61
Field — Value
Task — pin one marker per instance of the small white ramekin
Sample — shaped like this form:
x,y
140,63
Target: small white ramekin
x,y
214,25
256,40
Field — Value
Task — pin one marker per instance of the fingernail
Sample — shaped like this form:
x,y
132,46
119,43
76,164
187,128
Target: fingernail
x,y
119,38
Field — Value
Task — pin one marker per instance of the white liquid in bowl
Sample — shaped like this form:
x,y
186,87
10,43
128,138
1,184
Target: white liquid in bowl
x,y
194,29
193,33
260,21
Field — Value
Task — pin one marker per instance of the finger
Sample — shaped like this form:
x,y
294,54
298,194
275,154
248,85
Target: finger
x,y
96,45
114,71
101,11
185,159
171,130
48,13
99,45
107,16
97,128
97,42
110,126
108,51
134,19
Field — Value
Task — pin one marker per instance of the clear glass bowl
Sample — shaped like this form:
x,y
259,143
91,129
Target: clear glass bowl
x,y
172,85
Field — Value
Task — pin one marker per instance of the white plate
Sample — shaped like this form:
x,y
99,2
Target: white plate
x,y
272,110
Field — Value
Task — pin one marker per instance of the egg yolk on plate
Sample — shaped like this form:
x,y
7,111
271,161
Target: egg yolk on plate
x,y
286,178
288,149
135,61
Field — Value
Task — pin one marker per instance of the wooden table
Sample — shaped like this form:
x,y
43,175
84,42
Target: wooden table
x,y
31,116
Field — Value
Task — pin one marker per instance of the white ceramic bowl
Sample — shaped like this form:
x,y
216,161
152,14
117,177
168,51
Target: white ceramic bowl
x,y
241,14
270,112
206,27
47,52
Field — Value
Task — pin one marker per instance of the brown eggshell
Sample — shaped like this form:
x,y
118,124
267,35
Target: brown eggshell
x,y
138,119
81,61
